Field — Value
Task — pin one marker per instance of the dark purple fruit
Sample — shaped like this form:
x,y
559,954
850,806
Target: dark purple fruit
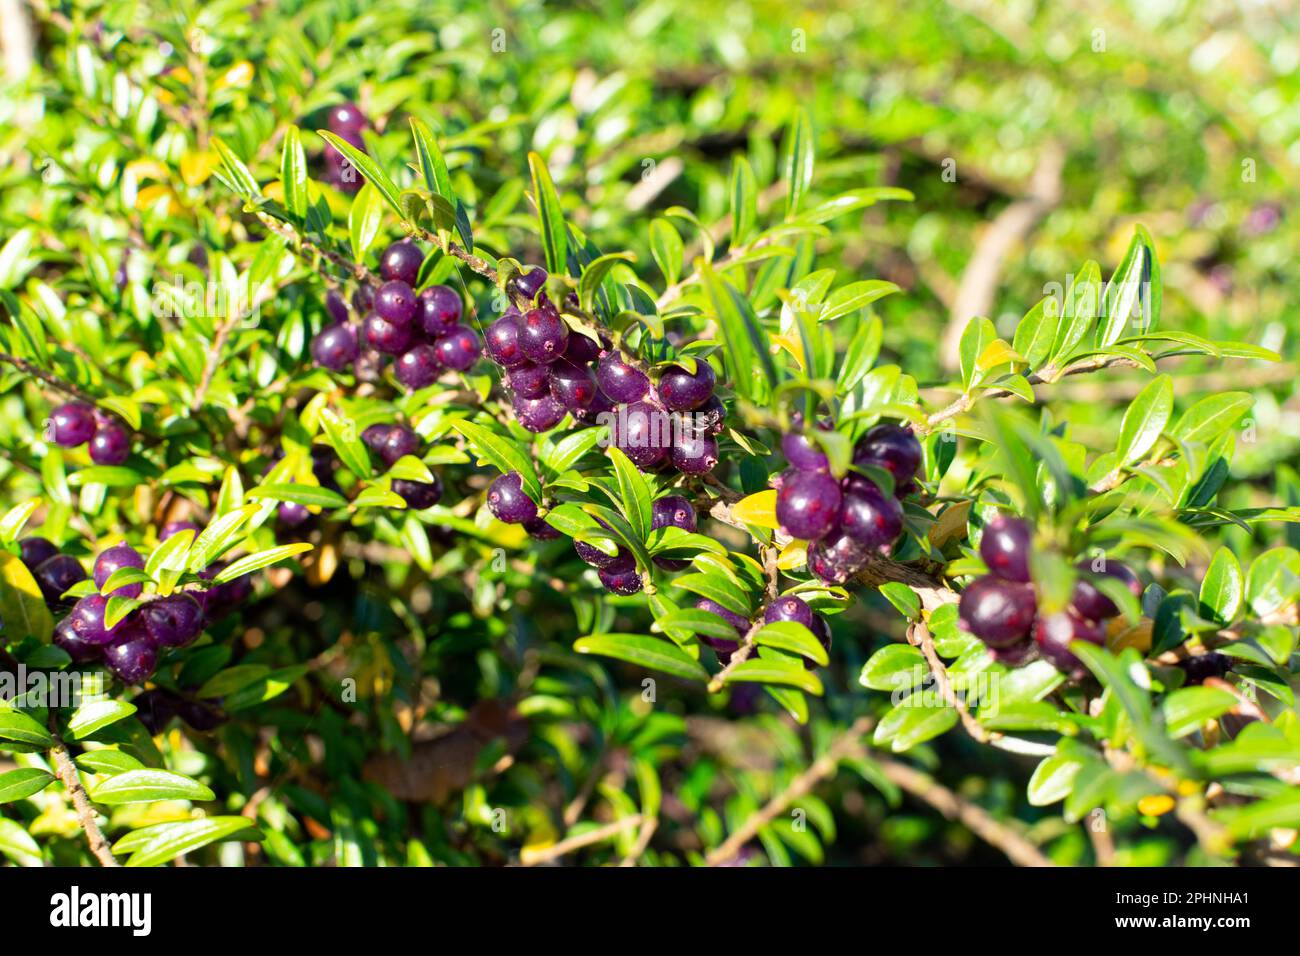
x,y
155,709
525,285
111,443
1005,548
1087,598
1015,655
67,639
682,391
593,555
336,305
507,499
459,348
1053,634
401,261
391,442
36,551
870,517
418,495
384,336
417,367
201,716
620,576
114,559
290,514
573,386
738,621
529,380
693,454
395,301
1203,666
346,118
336,347
132,658
542,335
789,608
439,310
581,349
56,575
619,380
673,511
72,424
836,557
503,341
173,621
642,432
363,300
539,529
892,448
176,527
87,621
539,414
804,453
808,504
711,417
998,612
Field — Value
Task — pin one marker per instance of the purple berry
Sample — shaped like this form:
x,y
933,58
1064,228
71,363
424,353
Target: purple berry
x,y
132,658
693,454
737,621
620,576
395,301
503,341
593,555
417,367
176,527
529,380
682,391
1203,666
1053,634
789,608
711,417
111,444
619,380
573,386
155,709
1015,655
87,621
439,310
998,612
1005,548
804,453
673,511
391,442
591,415
525,285
807,504
66,638
346,118
836,557
542,335
384,336
870,517
336,306
173,621
1088,599
507,499
401,261
642,432
336,347
36,551
892,448
72,424
114,559
56,575
363,300
538,414
581,349
458,349
290,514
418,495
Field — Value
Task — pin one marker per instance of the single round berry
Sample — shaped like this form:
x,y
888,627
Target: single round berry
x,y
998,612
682,391
789,608
173,621
68,640
573,386
672,511
1015,655
525,285
807,504
1203,666
642,432
693,454
739,623
111,443
804,453
391,442
336,347
593,555
439,310
384,336
539,529
87,620
56,575
892,448
507,499
133,657
1088,599
418,495
711,417
503,341
36,551
401,261
336,306
155,709
72,424
542,335
870,517
176,527
619,380
581,349
346,118
836,557
114,559
290,514
459,348
539,414
363,300
1005,548
620,576
417,367
395,301
529,380
1053,634
593,414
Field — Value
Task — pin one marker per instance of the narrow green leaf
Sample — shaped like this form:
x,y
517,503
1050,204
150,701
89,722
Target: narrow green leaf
x,y
369,169
798,163
155,845
261,559
651,652
23,782
293,173
1144,420
147,786
95,714
550,217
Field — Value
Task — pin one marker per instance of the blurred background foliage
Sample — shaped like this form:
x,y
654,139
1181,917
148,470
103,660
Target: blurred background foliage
x,y
1043,130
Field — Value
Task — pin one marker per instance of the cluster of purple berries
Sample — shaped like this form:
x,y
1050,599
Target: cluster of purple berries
x,y
787,608
391,442
422,331
130,648
346,122
1001,608
76,423
845,520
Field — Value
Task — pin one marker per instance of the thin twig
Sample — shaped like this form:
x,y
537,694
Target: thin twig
x,y
919,636
66,771
49,378
598,835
